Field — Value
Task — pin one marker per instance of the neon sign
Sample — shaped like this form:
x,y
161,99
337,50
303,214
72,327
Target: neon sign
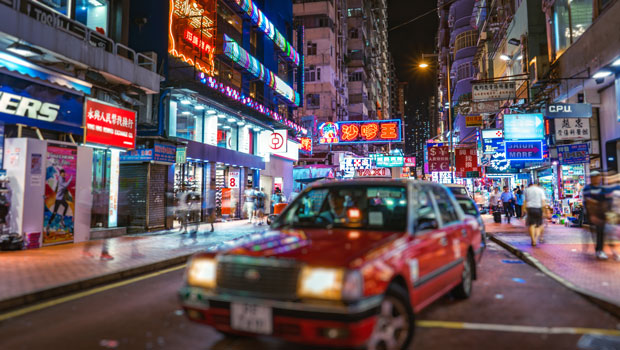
x,y
236,95
328,133
236,53
372,131
305,145
191,33
260,20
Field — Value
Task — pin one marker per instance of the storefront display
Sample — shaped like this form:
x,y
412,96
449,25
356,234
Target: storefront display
x,y
59,203
572,182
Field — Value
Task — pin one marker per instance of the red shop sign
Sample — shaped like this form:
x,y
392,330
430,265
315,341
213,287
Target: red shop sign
x,y
109,125
439,158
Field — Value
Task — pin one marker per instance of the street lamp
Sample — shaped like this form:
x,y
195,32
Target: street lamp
x,y
448,64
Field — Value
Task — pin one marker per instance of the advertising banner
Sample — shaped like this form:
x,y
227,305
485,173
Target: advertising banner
x,y
369,131
572,129
192,33
305,145
164,153
109,125
233,178
524,126
569,110
24,102
466,160
439,158
573,154
350,164
410,161
59,198
492,141
493,91
390,161
484,107
524,150
474,121
137,155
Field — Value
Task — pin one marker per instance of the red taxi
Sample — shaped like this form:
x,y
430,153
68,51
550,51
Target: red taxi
x,y
348,263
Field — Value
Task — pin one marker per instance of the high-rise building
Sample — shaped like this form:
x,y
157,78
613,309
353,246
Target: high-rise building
x,y
325,33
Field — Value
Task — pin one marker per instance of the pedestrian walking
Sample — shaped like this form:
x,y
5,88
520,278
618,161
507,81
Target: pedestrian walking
x,y
594,197
534,202
519,202
211,216
507,198
260,206
249,206
494,199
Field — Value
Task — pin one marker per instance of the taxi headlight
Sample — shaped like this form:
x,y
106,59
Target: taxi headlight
x,y
201,273
329,283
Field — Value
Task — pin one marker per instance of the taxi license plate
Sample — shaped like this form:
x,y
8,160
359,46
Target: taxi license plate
x,y
251,318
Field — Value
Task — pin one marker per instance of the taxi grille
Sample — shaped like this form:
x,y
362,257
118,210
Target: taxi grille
x,y
263,278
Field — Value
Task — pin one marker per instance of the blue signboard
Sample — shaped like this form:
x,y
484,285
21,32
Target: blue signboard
x,y
28,103
164,153
524,150
573,154
137,155
524,126
492,141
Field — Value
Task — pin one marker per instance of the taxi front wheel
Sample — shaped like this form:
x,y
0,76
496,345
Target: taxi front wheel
x,y
395,323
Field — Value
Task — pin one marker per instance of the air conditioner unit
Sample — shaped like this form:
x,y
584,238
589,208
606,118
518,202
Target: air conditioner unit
x,y
538,67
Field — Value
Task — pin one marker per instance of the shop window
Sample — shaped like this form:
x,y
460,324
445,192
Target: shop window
x,y
93,13
311,51
61,6
571,18
313,101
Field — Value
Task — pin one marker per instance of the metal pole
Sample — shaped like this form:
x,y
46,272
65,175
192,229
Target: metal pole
x,y
450,120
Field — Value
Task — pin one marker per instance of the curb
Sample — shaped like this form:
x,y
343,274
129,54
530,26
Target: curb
x,y
88,283
600,301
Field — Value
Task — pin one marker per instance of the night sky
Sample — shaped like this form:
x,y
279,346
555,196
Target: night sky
x,y
409,42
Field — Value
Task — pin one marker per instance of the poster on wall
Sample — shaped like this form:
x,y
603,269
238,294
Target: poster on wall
x,y
59,199
233,178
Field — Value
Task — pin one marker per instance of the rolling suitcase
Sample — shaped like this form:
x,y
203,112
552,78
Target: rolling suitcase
x,y
497,217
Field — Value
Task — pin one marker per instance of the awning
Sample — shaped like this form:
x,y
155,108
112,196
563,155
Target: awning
x,y
21,66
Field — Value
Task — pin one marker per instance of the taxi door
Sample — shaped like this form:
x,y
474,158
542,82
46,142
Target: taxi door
x,y
427,250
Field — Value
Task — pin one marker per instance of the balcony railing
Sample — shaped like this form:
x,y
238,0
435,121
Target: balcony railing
x,y
60,22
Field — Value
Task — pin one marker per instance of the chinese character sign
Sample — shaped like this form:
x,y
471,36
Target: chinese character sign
x,y
572,129
305,145
410,161
573,154
192,32
108,125
372,131
439,158
493,91
350,164
466,160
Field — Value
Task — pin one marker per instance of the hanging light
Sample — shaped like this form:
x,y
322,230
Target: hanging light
x,y
221,116
211,111
232,120
186,102
199,107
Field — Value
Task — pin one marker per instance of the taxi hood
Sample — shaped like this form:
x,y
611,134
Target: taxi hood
x,y
314,246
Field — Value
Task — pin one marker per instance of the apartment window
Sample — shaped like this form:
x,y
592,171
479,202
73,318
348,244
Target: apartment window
x,y
465,39
311,49
313,74
357,98
93,13
463,71
61,6
356,76
313,101
571,18
354,33
314,21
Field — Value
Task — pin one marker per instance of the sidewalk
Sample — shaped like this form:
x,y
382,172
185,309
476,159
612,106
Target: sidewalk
x,y
28,276
567,255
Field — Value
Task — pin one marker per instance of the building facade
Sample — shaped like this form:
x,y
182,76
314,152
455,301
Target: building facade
x,y
73,92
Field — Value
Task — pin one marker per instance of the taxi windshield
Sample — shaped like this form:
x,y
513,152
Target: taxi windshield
x,y
364,207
